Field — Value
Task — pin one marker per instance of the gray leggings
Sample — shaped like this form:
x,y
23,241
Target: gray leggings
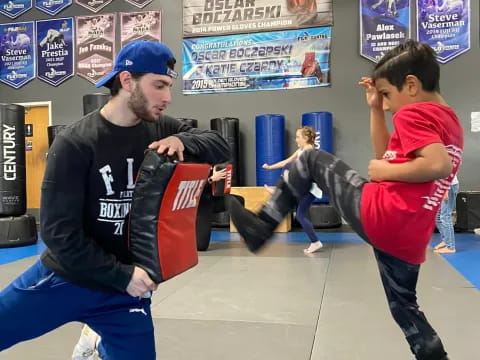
x,y
343,185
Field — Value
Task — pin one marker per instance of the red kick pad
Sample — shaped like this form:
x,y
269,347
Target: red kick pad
x,y
162,236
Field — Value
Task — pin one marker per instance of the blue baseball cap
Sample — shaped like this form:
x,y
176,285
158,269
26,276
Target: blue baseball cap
x,y
143,56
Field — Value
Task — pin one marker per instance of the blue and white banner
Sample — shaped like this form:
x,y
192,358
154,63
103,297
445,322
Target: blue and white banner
x,y
384,24
52,7
14,8
445,26
263,61
17,53
55,53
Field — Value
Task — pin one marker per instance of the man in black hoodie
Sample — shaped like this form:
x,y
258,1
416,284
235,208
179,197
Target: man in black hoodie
x,y
85,274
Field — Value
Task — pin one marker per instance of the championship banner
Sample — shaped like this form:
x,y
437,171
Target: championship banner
x,y
139,3
93,5
445,26
17,53
95,46
55,55
14,8
140,26
384,24
217,17
263,61
52,7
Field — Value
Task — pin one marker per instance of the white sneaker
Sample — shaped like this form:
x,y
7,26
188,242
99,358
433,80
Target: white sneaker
x,y
87,345
315,246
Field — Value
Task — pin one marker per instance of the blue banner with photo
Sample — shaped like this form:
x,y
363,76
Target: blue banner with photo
x,y
17,53
278,60
52,7
384,24
14,8
55,50
445,26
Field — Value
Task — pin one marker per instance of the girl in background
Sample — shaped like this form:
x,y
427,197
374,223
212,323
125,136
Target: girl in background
x,y
305,139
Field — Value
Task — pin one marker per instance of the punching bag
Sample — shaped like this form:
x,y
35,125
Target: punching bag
x,y
92,102
229,129
321,122
53,131
13,186
192,122
270,146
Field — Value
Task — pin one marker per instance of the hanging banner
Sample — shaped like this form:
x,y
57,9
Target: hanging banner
x,y
14,8
140,25
262,61
55,55
384,24
95,46
52,7
216,17
93,5
445,26
17,53
139,3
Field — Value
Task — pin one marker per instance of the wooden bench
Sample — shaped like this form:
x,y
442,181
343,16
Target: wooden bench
x,y
255,197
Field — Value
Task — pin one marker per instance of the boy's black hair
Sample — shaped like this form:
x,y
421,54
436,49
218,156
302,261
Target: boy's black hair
x,y
115,84
410,58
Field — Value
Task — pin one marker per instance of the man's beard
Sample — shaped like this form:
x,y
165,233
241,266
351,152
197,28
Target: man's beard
x,y
138,104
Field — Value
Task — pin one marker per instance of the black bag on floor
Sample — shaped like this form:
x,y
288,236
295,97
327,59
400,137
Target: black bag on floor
x,y
468,210
18,231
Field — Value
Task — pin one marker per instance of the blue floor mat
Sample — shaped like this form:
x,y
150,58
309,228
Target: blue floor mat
x,y
466,260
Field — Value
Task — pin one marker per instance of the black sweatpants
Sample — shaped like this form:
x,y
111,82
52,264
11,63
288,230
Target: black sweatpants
x,y
344,186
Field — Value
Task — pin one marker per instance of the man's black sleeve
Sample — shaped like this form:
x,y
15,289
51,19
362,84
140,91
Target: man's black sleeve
x,y
70,252
205,145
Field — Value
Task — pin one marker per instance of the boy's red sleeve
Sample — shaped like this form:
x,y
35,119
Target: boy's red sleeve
x,y
416,129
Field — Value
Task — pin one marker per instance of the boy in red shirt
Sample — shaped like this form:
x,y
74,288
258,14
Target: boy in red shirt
x,y
394,211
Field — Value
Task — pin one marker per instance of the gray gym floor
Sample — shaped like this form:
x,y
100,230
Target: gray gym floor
x,y
283,305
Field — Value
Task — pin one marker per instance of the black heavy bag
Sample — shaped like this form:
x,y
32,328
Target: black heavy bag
x,y
161,228
92,102
13,188
468,210
53,131
204,220
324,216
192,122
17,231
229,129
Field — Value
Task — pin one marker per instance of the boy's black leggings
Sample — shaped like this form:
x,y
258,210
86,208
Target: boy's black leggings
x,y
343,185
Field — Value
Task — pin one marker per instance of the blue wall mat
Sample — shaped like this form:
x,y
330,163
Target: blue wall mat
x,y
270,146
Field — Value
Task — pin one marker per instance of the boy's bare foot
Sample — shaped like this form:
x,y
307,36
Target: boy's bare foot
x,y
445,250
440,245
315,246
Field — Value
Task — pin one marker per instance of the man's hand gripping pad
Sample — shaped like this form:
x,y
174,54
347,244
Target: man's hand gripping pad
x,y
161,230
